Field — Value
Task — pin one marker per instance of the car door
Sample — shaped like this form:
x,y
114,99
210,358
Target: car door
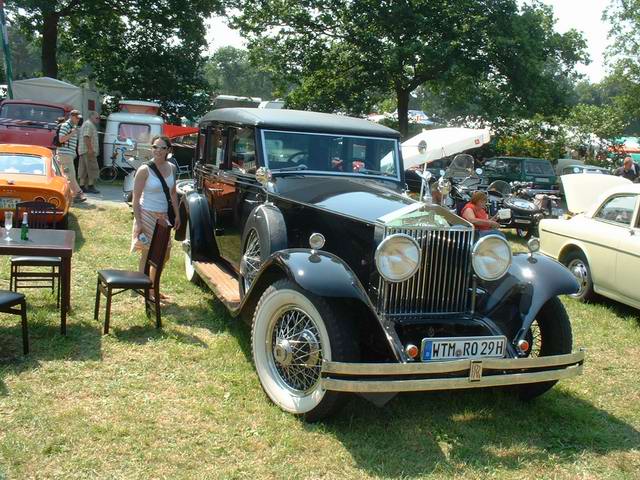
x,y
212,154
628,257
239,192
609,228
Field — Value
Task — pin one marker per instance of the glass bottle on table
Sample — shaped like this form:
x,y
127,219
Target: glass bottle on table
x,y
8,224
24,228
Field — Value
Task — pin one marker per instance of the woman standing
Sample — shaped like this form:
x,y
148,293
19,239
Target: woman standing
x,y
475,213
150,201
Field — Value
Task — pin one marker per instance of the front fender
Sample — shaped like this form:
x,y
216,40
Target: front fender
x,y
318,272
533,280
322,274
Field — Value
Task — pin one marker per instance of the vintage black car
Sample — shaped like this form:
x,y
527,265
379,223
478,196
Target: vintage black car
x,y
300,223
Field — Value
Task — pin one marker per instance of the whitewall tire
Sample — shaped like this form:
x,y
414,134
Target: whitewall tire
x,y
292,332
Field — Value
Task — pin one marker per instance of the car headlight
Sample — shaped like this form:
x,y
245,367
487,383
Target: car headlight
x,y
491,257
398,257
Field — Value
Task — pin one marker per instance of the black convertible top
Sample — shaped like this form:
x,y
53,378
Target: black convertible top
x,y
299,120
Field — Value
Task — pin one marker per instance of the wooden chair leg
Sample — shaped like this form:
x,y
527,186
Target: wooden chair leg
x,y
156,298
25,328
146,302
97,306
11,278
108,313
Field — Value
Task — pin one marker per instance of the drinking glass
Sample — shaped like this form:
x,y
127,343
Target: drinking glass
x,y
8,224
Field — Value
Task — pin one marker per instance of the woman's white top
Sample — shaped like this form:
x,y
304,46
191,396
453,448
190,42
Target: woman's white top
x,y
153,198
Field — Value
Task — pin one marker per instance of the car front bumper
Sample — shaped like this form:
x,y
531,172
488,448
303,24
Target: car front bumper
x,y
448,375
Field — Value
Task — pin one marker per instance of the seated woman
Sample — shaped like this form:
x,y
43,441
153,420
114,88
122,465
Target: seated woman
x,y
475,213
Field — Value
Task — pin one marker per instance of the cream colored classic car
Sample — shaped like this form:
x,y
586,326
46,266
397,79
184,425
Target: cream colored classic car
x,y
600,244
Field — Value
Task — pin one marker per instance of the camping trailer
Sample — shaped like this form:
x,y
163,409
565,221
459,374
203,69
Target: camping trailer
x,y
137,122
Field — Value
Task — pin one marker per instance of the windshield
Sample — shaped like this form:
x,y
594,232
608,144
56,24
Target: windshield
x,y
461,167
27,164
296,151
34,113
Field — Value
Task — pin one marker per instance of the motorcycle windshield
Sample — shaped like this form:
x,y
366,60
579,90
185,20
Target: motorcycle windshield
x,y
461,168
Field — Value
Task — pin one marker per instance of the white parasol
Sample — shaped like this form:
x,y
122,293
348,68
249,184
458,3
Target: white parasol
x,y
434,144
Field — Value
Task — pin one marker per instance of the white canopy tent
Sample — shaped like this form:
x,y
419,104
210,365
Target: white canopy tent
x,y
434,144
46,89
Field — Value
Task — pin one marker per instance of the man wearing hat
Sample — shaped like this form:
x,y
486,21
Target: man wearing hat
x,y
68,137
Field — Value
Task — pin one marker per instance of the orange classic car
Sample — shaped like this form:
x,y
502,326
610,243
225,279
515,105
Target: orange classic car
x,y
31,173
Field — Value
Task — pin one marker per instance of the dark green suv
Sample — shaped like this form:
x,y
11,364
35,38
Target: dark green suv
x,y
520,169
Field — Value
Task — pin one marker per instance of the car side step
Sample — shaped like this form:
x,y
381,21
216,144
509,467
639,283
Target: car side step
x,y
223,283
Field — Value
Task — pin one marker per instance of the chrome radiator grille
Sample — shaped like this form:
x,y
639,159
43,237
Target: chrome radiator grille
x,y
441,284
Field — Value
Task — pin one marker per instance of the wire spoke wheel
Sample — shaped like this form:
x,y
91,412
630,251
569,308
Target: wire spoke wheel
x,y
108,174
293,334
251,260
534,337
296,351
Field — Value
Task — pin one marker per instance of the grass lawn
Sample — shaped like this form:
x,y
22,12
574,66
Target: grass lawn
x,y
184,402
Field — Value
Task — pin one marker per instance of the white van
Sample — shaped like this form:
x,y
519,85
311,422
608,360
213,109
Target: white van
x,y
130,127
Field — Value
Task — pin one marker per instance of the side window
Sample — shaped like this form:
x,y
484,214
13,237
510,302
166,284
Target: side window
x,y
56,168
618,210
243,151
514,167
202,138
215,146
491,164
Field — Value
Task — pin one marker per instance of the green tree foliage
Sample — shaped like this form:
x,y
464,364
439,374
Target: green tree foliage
x,y
25,56
348,55
229,71
145,49
624,16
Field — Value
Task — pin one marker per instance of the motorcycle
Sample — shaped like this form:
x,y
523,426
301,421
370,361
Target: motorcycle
x,y
547,201
513,211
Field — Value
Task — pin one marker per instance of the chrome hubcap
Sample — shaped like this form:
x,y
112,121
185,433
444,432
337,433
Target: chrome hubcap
x,y
580,272
296,350
250,263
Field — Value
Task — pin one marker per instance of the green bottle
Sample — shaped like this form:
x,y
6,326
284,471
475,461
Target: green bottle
x,y
24,229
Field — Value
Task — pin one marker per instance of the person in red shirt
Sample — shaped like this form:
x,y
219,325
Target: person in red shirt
x,y
475,212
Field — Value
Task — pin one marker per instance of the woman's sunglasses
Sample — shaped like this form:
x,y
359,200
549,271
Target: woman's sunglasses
x,y
158,147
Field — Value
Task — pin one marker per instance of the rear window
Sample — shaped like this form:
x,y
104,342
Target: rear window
x,y
138,132
538,168
25,164
33,113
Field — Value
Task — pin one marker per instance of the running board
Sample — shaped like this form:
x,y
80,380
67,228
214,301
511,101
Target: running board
x,y
221,281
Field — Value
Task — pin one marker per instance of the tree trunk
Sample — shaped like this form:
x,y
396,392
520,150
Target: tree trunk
x,y
403,112
50,44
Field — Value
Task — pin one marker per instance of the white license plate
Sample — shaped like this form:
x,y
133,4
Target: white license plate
x,y
454,348
542,179
8,203
518,220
